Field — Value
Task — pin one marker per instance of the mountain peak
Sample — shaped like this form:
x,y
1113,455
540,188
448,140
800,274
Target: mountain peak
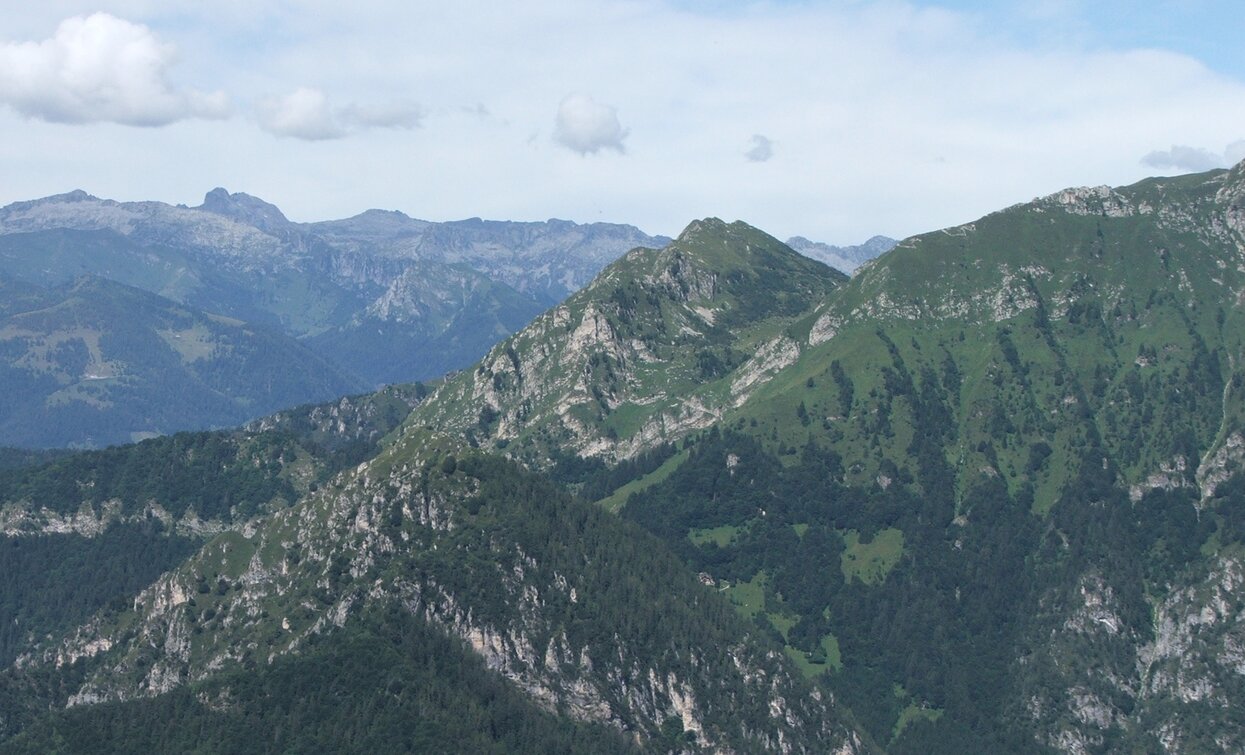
x,y
695,228
244,207
77,195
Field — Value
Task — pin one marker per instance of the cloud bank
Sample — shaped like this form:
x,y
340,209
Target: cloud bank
x,y
1195,159
586,126
306,114
100,68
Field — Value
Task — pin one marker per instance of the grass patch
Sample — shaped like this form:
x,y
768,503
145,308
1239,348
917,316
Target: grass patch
x,y
615,501
914,713
870,562
782,622
721,535
749,597
800,529
812,665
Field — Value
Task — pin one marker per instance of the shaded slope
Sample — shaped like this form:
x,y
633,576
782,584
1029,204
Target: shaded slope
x,y
387,683
92,529
96,362
578,610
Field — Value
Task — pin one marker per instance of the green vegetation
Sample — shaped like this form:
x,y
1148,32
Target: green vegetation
x,y
52,583
615,500
721,536
607,591
961,492
749,597
386,683
93,363
871,562
914,713
659,331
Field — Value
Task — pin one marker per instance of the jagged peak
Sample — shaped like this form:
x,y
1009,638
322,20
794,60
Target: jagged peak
x,y
244,207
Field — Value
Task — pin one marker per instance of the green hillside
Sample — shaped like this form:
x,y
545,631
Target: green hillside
x,y
92,363
978,486
662,343
89,530
1041,410
572,606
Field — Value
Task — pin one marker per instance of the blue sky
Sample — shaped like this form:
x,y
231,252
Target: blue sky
x,y
1209,30
832,120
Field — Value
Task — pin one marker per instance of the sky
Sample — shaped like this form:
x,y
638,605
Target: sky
x,y
831,120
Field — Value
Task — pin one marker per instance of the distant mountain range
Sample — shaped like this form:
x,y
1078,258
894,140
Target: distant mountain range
x,y
374,299
843,258
379,298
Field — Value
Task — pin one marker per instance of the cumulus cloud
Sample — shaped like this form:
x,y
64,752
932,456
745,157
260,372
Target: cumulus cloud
x,y
100,68
762,149
1195,159
307,114
587,126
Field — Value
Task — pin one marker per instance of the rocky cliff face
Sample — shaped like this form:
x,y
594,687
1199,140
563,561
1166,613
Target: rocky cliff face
x,y
440,537
547,261
660,345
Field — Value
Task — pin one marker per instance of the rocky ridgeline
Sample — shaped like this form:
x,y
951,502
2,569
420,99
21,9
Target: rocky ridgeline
x,y
659,346
371,539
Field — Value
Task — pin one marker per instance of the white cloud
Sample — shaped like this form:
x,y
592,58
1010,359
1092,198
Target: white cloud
x,y
100,68
302,114
761,150
587,126
1194,159
905,115
306,114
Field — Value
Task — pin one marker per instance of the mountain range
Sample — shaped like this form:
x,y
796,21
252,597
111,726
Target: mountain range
x,y
375,299
984,496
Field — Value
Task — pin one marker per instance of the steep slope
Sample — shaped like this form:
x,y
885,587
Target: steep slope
x,y
997,495
91,529
582,613
386,683
430,319
661,344
94,362
987,492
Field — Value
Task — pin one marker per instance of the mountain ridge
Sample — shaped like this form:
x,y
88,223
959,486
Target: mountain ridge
x,y
354,301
